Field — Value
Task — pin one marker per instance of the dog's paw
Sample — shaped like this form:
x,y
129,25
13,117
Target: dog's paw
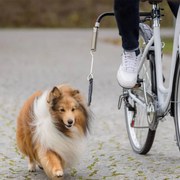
x,y
58,173
40,167
31,167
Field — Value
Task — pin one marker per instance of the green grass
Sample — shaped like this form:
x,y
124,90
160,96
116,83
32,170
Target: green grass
x,y
166,50
63,13
168,45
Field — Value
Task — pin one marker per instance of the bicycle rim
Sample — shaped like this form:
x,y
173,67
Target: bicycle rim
x,y
140,134
177,103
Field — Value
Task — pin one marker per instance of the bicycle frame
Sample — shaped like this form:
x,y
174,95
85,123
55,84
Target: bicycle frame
x,y
157,102
163,94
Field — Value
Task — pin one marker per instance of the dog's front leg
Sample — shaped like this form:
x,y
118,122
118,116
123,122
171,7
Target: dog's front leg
x,y
51,163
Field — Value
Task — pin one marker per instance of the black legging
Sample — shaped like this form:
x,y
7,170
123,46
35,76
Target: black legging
x,y
174,7
127,17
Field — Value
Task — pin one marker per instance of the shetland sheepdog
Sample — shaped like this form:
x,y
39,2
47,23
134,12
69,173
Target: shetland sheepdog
x,y
51,129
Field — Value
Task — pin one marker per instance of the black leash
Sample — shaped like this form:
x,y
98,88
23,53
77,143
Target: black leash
x,y
90,79
90,91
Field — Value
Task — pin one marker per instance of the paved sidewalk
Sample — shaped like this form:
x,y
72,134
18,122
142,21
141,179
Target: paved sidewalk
x,y
39,59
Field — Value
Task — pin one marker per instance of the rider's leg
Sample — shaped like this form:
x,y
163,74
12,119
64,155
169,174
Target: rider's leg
x,y
174,7
127,17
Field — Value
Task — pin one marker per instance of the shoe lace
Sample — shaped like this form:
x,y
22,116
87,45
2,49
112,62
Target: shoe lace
x,y
130,62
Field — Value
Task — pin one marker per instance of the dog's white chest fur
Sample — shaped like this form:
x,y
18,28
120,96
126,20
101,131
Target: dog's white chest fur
x,y
50,137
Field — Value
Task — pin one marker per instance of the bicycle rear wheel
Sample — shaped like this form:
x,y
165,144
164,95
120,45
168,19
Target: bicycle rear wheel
x,y
141,122
177,101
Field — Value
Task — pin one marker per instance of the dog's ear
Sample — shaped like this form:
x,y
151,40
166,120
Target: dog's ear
x,y
75,92
54,94
77,96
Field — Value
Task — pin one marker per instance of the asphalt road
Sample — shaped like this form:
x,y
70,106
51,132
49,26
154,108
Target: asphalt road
x,y
39,59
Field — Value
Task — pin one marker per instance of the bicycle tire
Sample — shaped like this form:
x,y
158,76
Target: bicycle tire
x,y
176,100
141,139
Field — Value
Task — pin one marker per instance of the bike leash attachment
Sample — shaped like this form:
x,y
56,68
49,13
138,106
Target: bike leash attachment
x,y
93,49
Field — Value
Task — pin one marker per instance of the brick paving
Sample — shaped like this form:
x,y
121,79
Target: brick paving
x,y
38,59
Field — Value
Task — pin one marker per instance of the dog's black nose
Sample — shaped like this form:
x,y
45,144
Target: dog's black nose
x,y
70,121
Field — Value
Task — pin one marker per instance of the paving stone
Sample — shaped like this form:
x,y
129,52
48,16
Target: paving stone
x,y
39,59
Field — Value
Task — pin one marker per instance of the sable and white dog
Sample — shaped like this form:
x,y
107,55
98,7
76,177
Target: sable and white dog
x,y
51,129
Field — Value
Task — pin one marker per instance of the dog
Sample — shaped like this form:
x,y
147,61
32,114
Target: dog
x,y
51,129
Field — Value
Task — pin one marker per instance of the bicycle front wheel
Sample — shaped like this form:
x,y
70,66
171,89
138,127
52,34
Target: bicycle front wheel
x,y
176,101
139,119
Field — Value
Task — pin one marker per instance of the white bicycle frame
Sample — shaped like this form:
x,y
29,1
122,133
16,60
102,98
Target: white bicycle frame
x,y
163,94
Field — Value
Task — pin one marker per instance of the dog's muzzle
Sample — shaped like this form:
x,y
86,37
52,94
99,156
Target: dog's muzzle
x,y
70,123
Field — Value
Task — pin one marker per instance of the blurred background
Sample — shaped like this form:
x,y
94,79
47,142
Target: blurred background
x,y
61,13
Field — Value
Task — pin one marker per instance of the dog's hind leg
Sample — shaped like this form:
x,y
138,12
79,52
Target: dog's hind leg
x,y
51,163
31,165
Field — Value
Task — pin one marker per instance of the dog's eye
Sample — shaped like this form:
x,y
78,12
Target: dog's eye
x,y
73,109
62,110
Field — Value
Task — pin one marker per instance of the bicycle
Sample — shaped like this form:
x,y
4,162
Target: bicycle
x,y
149,101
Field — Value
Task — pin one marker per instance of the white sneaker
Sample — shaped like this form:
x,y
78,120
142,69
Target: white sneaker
x,y
127,73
